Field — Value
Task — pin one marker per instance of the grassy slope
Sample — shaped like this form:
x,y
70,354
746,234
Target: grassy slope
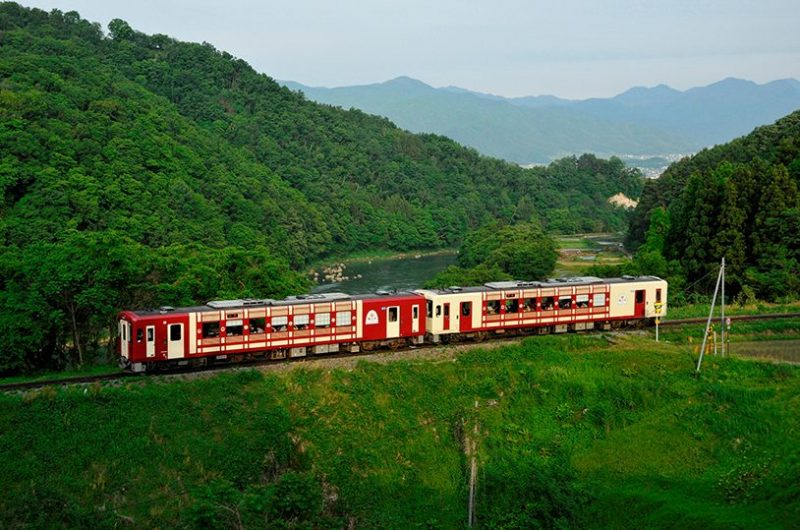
x,y
574,430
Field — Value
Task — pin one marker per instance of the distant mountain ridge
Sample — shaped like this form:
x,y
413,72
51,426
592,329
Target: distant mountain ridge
x,y
641,121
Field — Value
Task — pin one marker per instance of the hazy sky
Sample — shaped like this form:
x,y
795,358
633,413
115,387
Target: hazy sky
x,y
569,48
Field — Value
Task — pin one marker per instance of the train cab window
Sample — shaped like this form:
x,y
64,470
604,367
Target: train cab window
x,y
210,330
548,303
429,309
529,304
639,297
658,295
139,335
415,312
258,325
512,306
279,323
465,309
392,314
175,332
151,334
565,302
301,321
234,328
493,307
322,320
343,318
438,310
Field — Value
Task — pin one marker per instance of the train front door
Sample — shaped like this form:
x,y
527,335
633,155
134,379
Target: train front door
x,y
151,341
466,317
638,310
446,320
392,322
174,341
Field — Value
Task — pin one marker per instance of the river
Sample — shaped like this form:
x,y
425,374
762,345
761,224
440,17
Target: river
x,y
388,274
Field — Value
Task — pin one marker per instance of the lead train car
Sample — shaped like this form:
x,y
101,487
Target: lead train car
x,y
294,327
552,306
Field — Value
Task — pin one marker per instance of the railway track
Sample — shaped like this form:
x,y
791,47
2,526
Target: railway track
x,y
89,379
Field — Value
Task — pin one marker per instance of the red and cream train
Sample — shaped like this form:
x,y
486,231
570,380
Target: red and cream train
x,y
327,323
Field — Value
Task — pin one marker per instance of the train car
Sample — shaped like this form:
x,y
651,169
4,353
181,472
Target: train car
x,y
552,306
241,329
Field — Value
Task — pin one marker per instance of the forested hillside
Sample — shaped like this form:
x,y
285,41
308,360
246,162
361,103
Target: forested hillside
x,y
136,170
738,200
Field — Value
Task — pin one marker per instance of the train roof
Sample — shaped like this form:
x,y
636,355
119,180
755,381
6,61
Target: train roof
x,y
544,284
250,303
321,298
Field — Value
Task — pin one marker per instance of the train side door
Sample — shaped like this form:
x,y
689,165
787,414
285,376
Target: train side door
x,y
638,310
392,322
174,341
150,341
466,317
125,339
446,324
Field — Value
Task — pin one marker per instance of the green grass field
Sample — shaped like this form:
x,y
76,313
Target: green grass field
x,y
573,431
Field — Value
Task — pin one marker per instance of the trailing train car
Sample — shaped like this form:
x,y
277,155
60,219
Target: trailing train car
x,y
552,306
293,327
328,323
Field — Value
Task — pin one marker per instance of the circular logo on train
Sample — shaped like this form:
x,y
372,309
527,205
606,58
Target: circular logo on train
x,y
372,317
623,299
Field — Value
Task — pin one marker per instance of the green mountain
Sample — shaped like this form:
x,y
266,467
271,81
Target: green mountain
x,y
739,200
137,170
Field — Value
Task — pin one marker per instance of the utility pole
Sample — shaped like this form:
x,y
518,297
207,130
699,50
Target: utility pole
x,y
722,308
473,472
720,276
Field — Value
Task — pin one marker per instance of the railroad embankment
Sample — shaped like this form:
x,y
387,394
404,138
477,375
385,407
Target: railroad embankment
x,y
593,430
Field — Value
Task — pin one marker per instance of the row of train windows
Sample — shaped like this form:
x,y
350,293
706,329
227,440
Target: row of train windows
x,y
512,305
545,303
278,324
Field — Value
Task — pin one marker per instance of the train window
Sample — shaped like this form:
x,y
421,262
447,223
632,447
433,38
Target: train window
x,y
301,321
447,310
234,328
658,295
322,320
466,307
438,310
529,304
582,300
415,312
123,331
548,303
210,330
139,335
512,306
429,309
343,318
279,323
150,335
392,314
639,297
258,325
599,300
175,332
565,302
493,307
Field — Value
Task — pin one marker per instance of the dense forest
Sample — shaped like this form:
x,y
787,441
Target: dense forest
x,y
137,170
739,200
